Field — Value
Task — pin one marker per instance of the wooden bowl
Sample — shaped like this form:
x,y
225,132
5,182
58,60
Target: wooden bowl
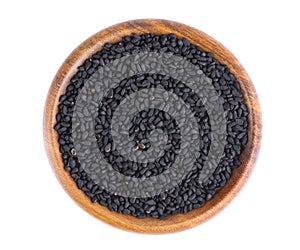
x,y
175,222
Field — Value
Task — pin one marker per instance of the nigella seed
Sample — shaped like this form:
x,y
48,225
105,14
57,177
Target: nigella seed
x,y
67,168
72,162
150,202
186,195
141,216
79,183
94,199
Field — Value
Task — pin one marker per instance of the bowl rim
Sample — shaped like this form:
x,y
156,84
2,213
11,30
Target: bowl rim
x,y
178,222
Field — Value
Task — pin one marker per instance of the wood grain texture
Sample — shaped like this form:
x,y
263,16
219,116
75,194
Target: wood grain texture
x,y
176,222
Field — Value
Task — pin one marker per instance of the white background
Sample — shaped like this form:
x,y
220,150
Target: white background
x,y
36,37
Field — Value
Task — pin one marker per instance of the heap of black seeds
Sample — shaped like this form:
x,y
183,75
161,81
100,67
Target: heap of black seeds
x,y
145,122
188,194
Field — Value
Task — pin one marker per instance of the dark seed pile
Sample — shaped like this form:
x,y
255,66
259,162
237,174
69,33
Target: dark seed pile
x,y
145,122
188,194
